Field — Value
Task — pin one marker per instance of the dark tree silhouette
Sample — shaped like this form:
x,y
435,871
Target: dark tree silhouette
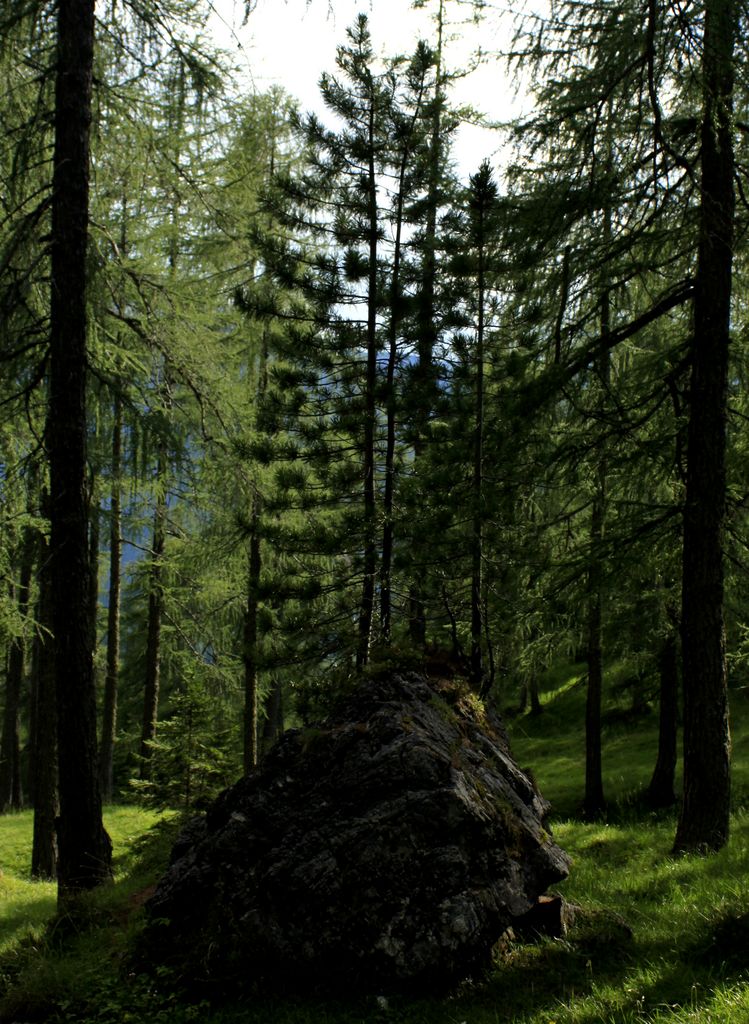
x,y
707,778
84,846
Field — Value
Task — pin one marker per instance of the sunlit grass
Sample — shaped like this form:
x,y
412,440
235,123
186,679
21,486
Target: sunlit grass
x,y
25,904
552,744
25,908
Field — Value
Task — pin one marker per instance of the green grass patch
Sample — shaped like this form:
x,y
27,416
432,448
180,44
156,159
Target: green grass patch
x,y
27,905
552,744
52,970
686,962
25,908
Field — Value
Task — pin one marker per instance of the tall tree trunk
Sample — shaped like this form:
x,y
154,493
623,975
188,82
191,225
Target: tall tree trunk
x,y
660,791
426,319
11,790
94,537
152,681
250,639
109,711
395,316
477,555
594,803
427,336
273,723
44,751
563,300
254,569
529,688
417,619
704,821
536,706
153,628
85,849
369,567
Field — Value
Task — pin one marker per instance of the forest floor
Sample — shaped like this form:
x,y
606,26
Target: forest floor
x,y
688,962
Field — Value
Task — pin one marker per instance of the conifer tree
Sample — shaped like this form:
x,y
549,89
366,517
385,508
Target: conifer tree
x,y
344,407
411,156
84,847
614,173
483,195
704,821
101,358
111,683
11,790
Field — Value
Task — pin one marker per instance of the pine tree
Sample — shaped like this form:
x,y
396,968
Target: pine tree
x,y
704,820
615,173
344,406
11,790
84,847
44,727
109,709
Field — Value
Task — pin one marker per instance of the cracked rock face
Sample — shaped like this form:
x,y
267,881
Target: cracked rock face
x,y
388,848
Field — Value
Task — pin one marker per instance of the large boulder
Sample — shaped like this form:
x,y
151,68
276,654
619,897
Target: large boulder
x,y
387,848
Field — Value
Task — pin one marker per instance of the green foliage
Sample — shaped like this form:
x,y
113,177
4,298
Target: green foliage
x,y
192,757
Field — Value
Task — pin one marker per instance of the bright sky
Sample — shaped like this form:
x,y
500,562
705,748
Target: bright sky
x,y
291,42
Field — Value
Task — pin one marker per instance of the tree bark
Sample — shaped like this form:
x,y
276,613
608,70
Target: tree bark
x,y
477,663
660,792
85,849
44,751
427,337
11,789
109,711
388,531
250,639
369,541
94,536
273,723
153,629
536,706
594,804
704,821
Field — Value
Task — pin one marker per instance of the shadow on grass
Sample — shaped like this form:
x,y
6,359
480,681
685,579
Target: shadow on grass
x,y
525,979
634,808
629,810
691,975
538,977
682,969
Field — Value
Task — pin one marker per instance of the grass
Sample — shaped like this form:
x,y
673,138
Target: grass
x,y
46,968
25,905
686,962
552,744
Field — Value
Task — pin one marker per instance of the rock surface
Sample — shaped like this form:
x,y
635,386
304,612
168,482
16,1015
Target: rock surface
x,y
388,848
